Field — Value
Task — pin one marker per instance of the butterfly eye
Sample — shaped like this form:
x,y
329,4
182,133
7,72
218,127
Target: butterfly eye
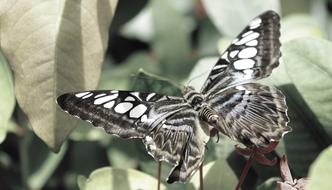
x,y
197,100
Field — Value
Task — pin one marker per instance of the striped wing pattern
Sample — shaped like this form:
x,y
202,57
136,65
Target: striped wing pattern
x,y
253,55
252,114
168,126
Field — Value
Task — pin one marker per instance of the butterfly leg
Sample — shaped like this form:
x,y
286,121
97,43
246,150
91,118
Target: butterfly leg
x,y
159,174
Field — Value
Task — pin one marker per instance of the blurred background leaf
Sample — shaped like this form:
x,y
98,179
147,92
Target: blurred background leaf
x,y
229,20
58,52
110,178
320,171
7,98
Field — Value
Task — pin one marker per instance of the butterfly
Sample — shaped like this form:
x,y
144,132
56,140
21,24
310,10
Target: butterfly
x,y
176,129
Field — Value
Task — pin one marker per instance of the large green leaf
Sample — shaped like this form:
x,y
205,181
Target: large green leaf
x,y
216,175
171,39
308,63
7,97
111,178
320,171
147,82
299,26
54,47
38,163
231,18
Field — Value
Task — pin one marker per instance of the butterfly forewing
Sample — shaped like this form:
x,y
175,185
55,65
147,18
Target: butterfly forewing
x,y
252,55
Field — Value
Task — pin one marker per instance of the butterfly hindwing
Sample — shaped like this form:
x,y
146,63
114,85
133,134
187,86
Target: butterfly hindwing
x,y
252,114
253,55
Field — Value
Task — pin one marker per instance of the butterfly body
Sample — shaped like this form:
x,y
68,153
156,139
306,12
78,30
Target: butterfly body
x,y
176,129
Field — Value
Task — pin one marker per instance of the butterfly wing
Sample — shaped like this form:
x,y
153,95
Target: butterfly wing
x,y
182,134
252,55
168,126
252,114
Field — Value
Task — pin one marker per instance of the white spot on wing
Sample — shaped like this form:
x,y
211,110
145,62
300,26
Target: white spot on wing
x,y
150,96
255,23
123,107
225,55
79,95
244,64
252,43
144,118
109,104
248,71
100,95
129,98
136,94
219,66
233,53
248,52
248,38
137,111
247,33
87,96
240,88
105,99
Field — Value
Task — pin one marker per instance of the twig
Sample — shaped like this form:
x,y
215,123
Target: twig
x,y
245,170
201,181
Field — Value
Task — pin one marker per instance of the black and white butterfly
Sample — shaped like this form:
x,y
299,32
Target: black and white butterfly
x,y
176,129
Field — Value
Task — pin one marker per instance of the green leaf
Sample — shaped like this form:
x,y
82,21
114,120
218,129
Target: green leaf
x,y
299,26
304,129
38,163
58,52
270,184
121,77
308,63
140,27
7,97
216,175
231,18
171,41
126,153
147,82
200,72
320,171
111,178
88,132
296,6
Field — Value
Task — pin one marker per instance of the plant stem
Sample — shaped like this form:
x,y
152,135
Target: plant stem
x,y
245,170
159,174
201,182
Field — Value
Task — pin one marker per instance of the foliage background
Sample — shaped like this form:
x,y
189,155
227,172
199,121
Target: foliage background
x,y
56,46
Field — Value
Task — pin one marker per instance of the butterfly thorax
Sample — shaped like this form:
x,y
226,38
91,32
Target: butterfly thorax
x,y
195,99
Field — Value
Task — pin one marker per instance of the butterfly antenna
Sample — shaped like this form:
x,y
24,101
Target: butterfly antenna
x,y
157,78
195,77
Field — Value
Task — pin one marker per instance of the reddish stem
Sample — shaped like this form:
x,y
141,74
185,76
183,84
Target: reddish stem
x,y
201,182
159,174
246,170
